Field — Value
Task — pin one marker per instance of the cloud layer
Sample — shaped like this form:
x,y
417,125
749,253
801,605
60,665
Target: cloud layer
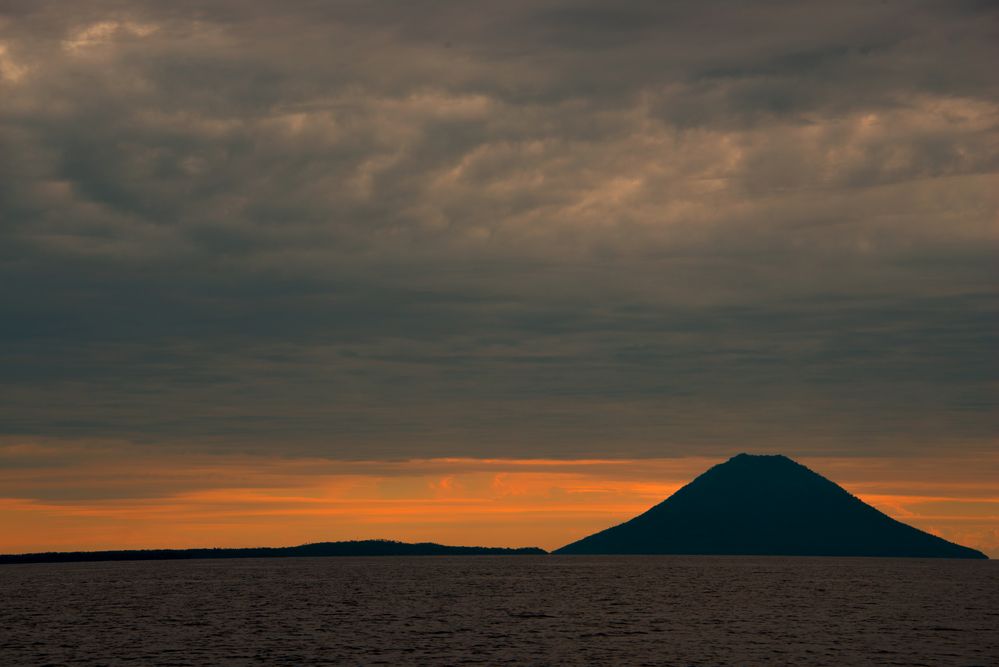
x,y
368,230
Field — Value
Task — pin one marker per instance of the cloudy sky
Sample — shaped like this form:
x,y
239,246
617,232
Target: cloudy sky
x,y
267,266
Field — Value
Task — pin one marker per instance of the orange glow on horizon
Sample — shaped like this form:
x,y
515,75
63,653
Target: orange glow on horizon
x,y
102,499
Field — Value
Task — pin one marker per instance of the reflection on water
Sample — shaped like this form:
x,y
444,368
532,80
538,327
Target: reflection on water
x,y
521,610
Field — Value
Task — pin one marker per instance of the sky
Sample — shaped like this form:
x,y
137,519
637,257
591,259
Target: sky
x,y
496,273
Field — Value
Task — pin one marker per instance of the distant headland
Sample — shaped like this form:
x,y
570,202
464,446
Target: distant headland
x,y
350,548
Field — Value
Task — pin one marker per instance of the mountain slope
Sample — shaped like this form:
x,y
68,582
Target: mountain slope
x,y
766,505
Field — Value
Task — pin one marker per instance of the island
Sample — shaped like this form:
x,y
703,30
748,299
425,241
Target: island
x,y
349,548
766,506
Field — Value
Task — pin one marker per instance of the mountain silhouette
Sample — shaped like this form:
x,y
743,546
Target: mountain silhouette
x,y
766,505
350,548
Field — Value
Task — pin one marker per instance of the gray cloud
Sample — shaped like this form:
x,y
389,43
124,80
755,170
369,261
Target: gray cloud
x,y
551,228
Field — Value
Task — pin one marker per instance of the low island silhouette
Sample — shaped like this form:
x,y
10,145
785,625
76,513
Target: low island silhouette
x,y
348,548
751,505
755,505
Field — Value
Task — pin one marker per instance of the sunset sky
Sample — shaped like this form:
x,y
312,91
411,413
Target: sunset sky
x,y
489,273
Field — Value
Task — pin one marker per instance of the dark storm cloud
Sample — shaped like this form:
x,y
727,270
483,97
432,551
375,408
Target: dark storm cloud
x,y
410,229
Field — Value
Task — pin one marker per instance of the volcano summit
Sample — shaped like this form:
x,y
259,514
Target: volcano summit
x,y
766,505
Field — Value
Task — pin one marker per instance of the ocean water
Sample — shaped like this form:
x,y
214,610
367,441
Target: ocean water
x,y
537,610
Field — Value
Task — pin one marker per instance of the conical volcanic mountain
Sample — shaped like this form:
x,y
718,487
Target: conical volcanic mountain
x,y
766,505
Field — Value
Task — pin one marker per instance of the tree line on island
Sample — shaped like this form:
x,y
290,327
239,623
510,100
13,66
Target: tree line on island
x,y
750,505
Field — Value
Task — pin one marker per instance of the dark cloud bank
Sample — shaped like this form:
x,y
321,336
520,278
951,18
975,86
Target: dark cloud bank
x,y
370,229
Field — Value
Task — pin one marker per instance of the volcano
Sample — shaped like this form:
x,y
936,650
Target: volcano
x,y
766,505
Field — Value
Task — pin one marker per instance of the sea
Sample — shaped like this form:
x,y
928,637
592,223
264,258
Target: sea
x,y
496,610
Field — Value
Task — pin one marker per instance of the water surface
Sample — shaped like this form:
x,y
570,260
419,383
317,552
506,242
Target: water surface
x,y
652,610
